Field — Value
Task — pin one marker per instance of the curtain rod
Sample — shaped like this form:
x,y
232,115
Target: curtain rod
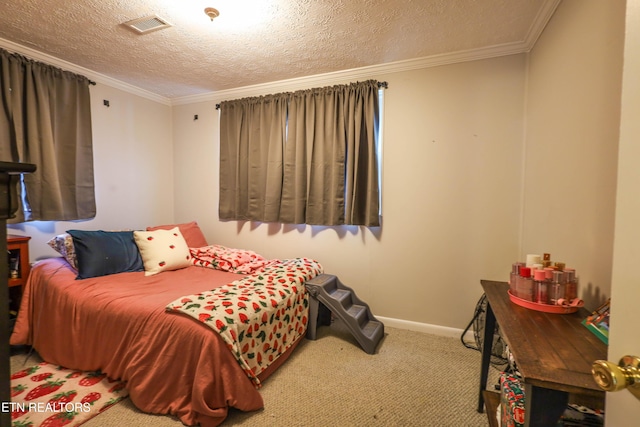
x,y
383,85
19,55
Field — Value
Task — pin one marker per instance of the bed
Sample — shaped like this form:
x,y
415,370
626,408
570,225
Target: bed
x,y
191,341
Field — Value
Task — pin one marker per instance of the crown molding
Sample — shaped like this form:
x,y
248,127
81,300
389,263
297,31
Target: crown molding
x,y
537,27
91,75
540,22
360,73
356,73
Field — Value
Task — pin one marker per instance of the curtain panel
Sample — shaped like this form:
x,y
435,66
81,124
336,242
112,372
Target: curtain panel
x,y
252,137
307,157
45,119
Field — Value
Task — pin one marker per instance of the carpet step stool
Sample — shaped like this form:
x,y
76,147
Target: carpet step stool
x,y
330,295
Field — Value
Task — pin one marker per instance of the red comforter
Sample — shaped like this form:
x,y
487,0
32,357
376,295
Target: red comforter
x,y
118,324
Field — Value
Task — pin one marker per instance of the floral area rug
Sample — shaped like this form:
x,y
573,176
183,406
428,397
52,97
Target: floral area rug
x,y
47,395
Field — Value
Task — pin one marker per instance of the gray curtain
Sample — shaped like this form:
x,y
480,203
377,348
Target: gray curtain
x,y
252,132
317,126
327,173
362,180
45,119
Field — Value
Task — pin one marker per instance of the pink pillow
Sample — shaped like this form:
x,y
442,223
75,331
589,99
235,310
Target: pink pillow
x,y
189,230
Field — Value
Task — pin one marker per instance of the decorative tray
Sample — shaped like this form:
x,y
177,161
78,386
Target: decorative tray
x,y
547,308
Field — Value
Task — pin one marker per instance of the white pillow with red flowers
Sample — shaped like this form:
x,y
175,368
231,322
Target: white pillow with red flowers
x,y
162,250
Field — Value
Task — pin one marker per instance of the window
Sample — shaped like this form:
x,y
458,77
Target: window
x,y
45,119
310,156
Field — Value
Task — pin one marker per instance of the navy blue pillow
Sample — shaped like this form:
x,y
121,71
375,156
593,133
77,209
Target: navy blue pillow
x,y
100,253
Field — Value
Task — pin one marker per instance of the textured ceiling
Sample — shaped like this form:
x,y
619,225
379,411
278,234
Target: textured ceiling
x,y
258,41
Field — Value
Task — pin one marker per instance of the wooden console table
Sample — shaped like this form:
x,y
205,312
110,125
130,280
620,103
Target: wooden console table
x,y
553,353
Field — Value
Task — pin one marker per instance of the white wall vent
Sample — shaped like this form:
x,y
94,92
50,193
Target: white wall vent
x,y
147,24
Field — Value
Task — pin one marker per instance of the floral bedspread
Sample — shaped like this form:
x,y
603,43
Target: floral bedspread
x,y
228,259
259,316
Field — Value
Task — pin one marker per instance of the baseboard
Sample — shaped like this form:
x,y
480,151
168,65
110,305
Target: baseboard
x,y
426,328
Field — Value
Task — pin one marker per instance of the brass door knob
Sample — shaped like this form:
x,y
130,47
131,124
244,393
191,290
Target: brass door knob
x,y
612,377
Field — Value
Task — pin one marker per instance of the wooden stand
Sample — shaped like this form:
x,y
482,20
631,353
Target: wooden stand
x,y
554,353
18,250
491,402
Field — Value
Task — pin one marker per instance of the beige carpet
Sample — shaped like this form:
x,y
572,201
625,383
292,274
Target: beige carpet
x,y
415,379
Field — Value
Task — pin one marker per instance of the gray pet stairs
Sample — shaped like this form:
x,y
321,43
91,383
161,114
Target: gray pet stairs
x,y
329,295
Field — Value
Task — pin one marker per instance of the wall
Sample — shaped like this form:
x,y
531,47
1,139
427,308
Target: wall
x,y
133,166
451,193
572,129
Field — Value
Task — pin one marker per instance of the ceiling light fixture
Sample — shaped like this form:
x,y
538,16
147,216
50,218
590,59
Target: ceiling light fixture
x,y
211,12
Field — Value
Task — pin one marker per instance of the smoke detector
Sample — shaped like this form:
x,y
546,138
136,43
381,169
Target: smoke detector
x,y
147,24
